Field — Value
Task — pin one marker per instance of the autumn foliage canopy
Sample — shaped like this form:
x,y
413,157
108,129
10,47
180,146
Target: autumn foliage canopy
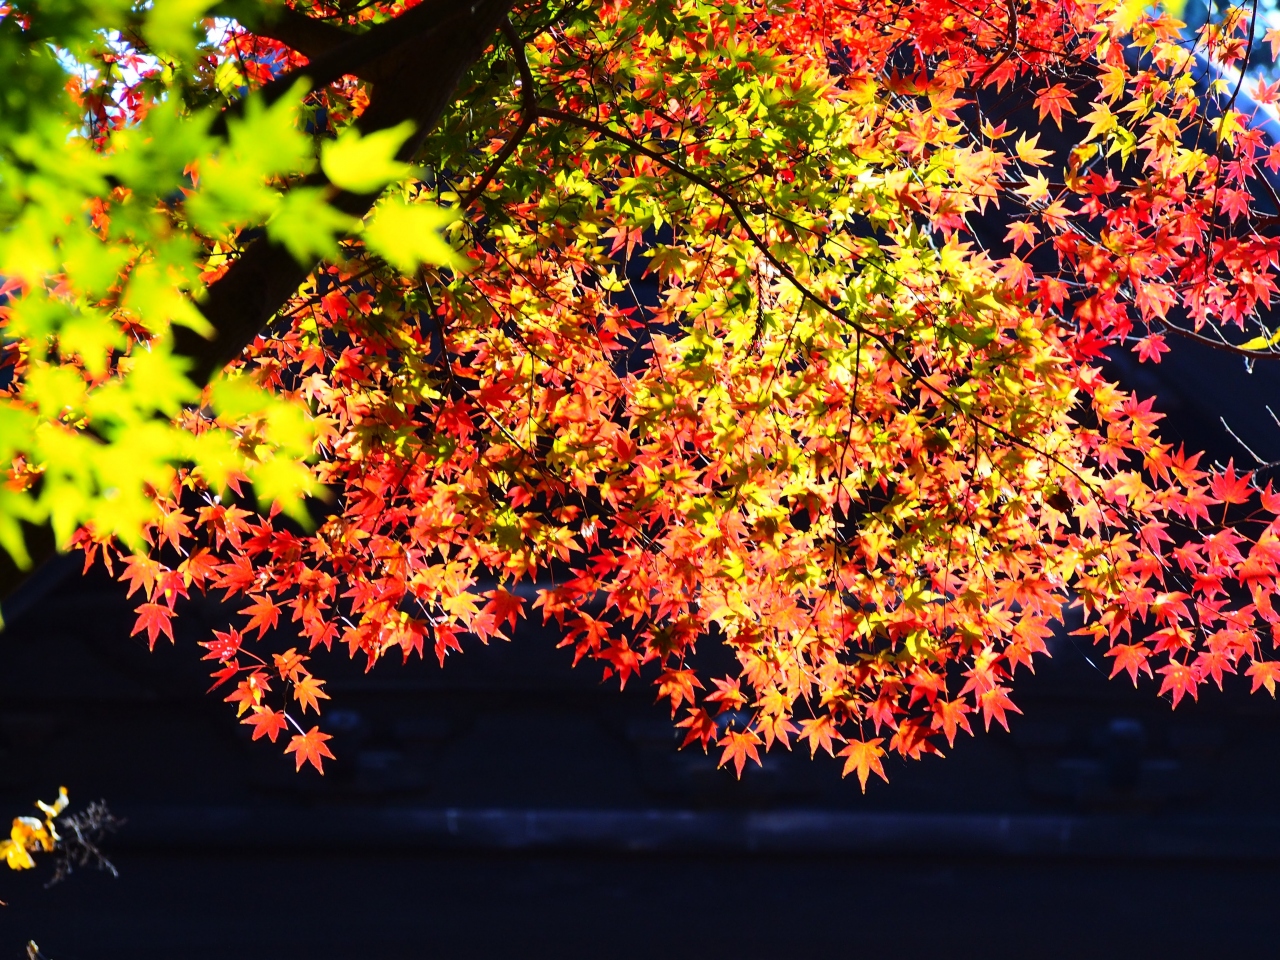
x,y
776,325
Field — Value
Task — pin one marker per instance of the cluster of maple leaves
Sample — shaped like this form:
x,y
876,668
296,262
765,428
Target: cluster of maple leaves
x,y
783,331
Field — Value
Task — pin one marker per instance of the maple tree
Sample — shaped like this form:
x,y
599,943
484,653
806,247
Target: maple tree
x,y
673,322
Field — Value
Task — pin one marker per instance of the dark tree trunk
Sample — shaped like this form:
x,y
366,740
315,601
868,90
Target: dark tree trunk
x,y
416,63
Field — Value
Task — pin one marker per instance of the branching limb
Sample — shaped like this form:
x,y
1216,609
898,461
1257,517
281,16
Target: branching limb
x,y
740,214
1221,344
421,80
381,54
528,113
312,38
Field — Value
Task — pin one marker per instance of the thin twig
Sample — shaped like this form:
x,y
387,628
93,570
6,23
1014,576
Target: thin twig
x,y
739,213
528,113
1221,344
1236,437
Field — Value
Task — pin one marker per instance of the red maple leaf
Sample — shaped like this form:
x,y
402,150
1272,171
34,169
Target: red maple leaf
x,y
223,675
236,576
336,305
1228,488
223,646
1131,657
263,614
155,619
620,657
1149,349
863,756
677,686
1213,663
170,585
503,607
1179,679
1270,500
1265,673
309,748
701,726
266,722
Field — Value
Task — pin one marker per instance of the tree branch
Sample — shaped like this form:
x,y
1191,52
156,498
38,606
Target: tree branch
x,y
243,300
739,212
528,113
1221,344
383,53
311,38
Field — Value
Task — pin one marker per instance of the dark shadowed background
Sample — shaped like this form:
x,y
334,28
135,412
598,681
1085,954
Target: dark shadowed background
x,y
508,806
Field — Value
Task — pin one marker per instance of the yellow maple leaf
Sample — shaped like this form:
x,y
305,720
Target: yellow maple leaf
x,y
1028,152
1037,188
1127,14
1101,120
1112,82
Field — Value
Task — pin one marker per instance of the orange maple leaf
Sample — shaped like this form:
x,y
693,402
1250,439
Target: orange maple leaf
x,y
174,527
728,694
306,691
776,727
864,756
309,748
140,571
1272,37
248,692
290,663
1053,102
950,715
738,747
820,732
199,568
995,702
